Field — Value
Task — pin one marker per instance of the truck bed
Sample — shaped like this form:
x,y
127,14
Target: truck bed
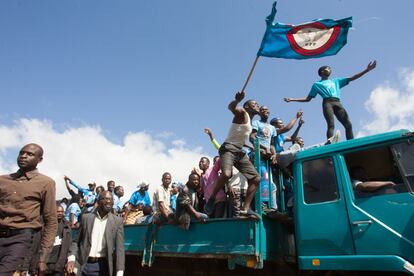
x,y
241,242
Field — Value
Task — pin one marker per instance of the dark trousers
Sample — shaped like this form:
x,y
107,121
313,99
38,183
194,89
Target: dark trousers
x,y
99,268
331,107
14,251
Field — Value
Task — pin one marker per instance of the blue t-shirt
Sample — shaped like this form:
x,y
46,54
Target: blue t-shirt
x,y
73,209
173,202
330,88
117,203
279,143
137,198
265,133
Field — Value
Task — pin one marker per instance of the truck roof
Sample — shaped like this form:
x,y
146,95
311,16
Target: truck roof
x,y
354,143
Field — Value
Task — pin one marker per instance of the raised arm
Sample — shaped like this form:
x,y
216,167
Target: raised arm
x,y
76,185
71,192
302,100
295,134
291,123
212,139
370,67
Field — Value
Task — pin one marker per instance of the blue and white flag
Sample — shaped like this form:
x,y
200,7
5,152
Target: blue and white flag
x,y
319,38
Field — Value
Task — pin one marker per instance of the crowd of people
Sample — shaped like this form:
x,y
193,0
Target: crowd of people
x,y
224,187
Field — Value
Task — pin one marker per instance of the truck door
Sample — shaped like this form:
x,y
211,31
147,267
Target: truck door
x,y
322,225
379,182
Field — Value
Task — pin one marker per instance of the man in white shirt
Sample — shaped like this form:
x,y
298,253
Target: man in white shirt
x,y
100,238
161,202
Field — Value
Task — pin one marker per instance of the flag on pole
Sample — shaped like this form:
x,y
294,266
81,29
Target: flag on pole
x,y
319,38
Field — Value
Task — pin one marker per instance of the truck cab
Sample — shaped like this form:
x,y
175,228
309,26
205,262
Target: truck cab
x,y
340,226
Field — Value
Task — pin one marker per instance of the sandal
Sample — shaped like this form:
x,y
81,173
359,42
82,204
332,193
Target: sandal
x,y
250,213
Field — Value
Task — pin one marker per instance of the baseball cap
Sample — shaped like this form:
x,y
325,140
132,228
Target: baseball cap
x,y
143,184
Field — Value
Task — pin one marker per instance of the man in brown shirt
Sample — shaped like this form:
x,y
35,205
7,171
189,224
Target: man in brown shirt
x,y
27,203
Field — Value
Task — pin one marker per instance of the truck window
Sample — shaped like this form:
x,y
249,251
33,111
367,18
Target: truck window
x,y
374,172
319,181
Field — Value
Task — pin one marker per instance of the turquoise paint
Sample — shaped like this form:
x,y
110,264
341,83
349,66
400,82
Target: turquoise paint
x,y
321,228
324,230
381,227
356,262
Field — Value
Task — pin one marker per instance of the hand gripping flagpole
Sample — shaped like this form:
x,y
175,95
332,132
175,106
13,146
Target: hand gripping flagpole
x,y
250,73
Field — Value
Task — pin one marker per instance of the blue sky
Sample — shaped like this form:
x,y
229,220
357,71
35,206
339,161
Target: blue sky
x,y
169,68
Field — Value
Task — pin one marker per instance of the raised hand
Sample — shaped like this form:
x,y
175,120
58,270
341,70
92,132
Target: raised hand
x,y
239,96
209,133
286,99
371,65
299,114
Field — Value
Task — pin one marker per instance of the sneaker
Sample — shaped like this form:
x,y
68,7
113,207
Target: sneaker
x,y
209,206
336,137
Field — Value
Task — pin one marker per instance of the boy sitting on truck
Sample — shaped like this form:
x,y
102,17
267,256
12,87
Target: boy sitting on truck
x,y
187,203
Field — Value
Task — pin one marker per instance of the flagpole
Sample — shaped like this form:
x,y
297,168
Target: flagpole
x,y
250,73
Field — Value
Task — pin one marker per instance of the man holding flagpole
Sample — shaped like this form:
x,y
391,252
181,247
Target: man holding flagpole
x,y
330,91
232,154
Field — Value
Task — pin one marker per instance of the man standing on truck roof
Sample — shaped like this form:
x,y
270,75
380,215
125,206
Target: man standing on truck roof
x,y
330,91
231,154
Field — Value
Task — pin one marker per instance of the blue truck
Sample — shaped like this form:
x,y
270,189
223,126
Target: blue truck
x,y
334,227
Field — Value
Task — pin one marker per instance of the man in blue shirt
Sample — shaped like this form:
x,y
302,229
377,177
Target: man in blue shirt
x,y
330,91
140,196
88,194
265,132
118,193
74,210
281,128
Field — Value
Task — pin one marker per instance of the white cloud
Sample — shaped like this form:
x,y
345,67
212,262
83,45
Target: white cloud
x,y
391,106
86,155
165,135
